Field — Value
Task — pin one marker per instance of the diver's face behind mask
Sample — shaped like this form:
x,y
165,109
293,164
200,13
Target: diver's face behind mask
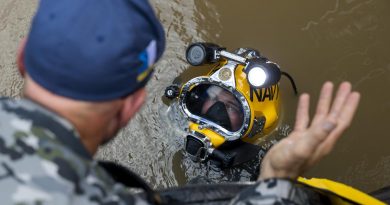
x,y
216,105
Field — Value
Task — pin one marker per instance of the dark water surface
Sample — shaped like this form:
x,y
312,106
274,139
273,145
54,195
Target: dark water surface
x,y
315,41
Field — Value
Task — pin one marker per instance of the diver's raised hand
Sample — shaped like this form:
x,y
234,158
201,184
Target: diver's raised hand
x,y
306,144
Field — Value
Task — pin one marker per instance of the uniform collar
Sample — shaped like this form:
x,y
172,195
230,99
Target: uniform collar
x,y
63,130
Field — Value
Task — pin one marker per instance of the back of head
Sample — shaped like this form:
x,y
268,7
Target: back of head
x,y
93,50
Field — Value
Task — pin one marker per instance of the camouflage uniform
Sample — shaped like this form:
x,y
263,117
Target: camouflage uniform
x,y
42,161
279,192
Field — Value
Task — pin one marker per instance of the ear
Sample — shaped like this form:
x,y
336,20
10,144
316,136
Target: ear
x,y
131,105
20,57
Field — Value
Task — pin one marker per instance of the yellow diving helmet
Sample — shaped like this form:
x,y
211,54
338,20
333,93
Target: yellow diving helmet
x,y
230,107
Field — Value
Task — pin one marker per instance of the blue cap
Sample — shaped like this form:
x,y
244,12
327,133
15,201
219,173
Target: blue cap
x,y
93,50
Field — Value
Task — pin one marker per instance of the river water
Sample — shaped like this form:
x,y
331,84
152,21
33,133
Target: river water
x,y
314,41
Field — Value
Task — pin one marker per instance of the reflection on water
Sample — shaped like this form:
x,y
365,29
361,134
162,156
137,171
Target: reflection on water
x,y
314,41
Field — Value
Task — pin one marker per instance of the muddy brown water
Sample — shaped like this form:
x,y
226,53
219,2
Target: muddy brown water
x,y
314,41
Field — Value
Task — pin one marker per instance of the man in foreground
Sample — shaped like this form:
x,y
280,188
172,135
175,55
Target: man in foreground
x,y
85,64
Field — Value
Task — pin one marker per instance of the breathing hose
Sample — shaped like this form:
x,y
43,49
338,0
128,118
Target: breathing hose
x,y
291,81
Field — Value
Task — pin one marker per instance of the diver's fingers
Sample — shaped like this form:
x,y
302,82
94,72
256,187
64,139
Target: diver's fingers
x,y
349,109
341,97
302,116
344,120
324,101
325,124
318,133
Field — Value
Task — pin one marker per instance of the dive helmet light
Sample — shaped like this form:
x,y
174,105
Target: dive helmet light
x,y
260,72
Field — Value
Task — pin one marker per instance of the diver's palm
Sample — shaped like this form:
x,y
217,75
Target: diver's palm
x,y
307,145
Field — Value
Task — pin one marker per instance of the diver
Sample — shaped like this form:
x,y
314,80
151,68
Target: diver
x,y
231,107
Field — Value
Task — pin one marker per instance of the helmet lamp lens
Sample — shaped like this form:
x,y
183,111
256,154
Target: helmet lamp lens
x,y
257,76
196,55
